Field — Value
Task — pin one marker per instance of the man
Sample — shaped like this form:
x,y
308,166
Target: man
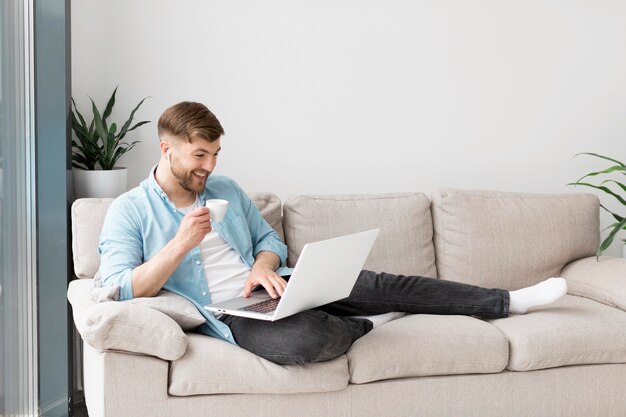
x,y
160,236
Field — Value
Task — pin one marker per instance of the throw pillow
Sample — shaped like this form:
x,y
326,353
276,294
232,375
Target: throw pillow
x,y
177,307
133,328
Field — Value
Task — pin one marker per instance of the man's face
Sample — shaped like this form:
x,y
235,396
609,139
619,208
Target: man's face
x,y
192,163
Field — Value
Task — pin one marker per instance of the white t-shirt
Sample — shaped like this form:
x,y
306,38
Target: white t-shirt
x,y
225,272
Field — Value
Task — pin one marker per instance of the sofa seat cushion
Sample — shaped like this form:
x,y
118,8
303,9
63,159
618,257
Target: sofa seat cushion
x,y
404,245
212,366
572,331
422,345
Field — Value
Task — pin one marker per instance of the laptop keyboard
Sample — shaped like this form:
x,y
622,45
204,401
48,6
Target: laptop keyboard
x,y
263,306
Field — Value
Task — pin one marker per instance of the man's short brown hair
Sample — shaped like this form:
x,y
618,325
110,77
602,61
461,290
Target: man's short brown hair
x,y
188,120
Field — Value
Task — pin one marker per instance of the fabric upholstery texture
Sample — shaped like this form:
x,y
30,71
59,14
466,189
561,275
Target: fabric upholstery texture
x,y
87,220
212,366
83,293
602,280
572,391
575,391
404,245
133,328
511,240
124,326
121,385
572,331
423,345
175,306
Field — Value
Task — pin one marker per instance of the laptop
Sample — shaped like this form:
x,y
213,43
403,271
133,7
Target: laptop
x,y
326,271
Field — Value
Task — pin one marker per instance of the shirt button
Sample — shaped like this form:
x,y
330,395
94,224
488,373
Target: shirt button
x,y
203,292
226,335
197,262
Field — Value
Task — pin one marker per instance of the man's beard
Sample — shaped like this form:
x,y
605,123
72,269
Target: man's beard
x,y
187,180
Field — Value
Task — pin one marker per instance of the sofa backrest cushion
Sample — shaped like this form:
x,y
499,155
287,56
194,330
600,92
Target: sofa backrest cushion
x,y
511,240
87,220
88,217
404,245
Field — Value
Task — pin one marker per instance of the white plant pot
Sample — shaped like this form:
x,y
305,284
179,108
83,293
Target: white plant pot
x,y
100,183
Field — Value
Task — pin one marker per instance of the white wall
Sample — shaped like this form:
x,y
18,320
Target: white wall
x,y
354,96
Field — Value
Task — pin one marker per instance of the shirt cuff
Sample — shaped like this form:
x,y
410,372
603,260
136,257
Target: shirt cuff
x,y
125,282
269,246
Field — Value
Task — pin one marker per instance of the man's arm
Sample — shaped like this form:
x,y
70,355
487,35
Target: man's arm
x,y
149,277
122,253
268,249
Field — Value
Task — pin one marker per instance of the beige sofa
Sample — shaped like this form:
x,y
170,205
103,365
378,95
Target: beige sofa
x,y
567,359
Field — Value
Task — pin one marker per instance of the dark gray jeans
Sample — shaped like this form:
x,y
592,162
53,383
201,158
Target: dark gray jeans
x,y
325,332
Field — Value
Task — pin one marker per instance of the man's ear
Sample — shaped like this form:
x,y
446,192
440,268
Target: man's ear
x,y
165,148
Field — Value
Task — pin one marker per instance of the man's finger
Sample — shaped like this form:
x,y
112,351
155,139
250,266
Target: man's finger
x,y
200,211
269,287
278,284
247,289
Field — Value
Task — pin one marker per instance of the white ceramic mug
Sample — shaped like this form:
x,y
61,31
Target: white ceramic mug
x,y
217,209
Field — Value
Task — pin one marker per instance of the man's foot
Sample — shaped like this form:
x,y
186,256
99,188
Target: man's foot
x,y
546,292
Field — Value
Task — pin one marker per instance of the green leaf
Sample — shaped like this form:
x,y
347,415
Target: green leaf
x,y
138,125
606,171
99,125
619,184
598,187
98,143
609,239
130,119
615,216
600,156
110,104
82,160
82,120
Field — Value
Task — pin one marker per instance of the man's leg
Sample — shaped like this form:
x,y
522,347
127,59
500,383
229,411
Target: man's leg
x,y
310,336
378,293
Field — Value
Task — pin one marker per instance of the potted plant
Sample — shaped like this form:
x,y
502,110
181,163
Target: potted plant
x,y
96,149
620,222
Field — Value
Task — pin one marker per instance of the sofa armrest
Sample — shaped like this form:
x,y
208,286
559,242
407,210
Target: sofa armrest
x,y
114,325
122,384
602,280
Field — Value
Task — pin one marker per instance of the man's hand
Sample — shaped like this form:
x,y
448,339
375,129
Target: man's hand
x,y
263,273
193,228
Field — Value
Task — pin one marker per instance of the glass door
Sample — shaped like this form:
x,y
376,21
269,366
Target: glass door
x,y
18,321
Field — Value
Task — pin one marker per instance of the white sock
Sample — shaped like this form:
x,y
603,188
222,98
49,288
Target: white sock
x,y
546,292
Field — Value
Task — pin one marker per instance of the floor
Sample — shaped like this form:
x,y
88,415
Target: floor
x,y
80,410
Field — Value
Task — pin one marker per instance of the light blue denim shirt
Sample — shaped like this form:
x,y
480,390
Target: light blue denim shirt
x,y
142,221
